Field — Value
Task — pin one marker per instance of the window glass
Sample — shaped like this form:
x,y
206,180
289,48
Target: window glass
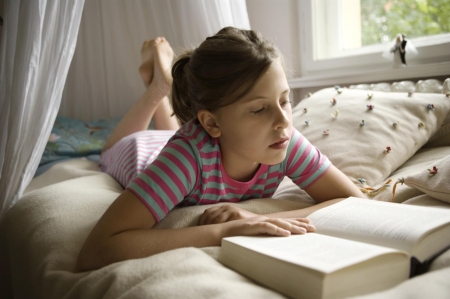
x,y
382,20
351,35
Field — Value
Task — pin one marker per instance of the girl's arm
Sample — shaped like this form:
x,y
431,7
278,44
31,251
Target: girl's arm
x,y
225,213
125,232
333,184
332,187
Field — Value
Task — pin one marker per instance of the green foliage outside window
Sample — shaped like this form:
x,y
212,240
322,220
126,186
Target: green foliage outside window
x,y
382,20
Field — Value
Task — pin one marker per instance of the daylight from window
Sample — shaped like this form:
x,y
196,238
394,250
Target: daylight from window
x,y
372,22
382,20
349,36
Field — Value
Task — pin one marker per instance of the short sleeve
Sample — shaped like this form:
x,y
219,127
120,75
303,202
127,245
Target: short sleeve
x,y
168,179
305,162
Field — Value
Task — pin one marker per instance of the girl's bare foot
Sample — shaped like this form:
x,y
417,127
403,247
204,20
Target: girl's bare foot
x,y
157,56
146,68
162,76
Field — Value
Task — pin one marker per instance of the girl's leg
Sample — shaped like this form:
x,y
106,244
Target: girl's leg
x,y
163,119
157,58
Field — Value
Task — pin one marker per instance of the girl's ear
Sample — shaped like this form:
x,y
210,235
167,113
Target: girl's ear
x,y
208,121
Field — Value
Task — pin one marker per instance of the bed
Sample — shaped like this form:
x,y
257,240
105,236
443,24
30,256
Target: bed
x,y
382,136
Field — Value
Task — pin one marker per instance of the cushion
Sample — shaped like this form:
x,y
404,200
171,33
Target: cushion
x,y
369,134
434,180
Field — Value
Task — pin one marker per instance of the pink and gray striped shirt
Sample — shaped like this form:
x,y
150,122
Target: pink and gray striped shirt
x,y
188,170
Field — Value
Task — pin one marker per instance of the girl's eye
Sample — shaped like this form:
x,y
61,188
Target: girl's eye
x,y
284,103
258,111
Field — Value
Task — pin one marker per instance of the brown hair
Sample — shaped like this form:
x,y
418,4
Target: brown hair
x,y
220,71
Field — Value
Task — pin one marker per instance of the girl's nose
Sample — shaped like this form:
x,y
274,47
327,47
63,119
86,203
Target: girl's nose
x,y
281,119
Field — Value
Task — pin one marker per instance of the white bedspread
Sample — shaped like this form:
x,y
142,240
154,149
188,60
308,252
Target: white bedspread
x,y
41,236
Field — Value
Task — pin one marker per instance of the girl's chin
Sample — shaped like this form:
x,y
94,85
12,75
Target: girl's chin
x,y
276,159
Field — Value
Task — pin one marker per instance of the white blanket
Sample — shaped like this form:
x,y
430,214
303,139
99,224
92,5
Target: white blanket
x,y
41,236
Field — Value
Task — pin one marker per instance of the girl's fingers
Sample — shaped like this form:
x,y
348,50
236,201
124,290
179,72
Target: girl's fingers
x,y
305,225
294,227
278,231
214,216
279,226
303,219
268,228
221,218
206,216
224,213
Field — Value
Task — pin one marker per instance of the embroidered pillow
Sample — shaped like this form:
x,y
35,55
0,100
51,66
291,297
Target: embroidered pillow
x,y
369,134
442,136
434,181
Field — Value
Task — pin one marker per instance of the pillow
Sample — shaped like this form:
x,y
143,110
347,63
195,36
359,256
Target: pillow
x,y
442,136
369,134
434,180
75,138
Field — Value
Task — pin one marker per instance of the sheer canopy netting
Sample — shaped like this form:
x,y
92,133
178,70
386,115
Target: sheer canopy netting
x,y
38,46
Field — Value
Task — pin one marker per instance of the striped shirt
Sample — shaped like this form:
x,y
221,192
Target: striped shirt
x,y
188,171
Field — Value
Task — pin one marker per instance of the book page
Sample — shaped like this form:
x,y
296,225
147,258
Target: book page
x,y
386,224
320,252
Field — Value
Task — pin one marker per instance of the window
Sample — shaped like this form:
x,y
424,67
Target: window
x,y
342,37
381,20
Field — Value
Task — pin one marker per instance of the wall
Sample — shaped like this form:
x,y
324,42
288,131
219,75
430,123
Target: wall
x,y
277,20
1,15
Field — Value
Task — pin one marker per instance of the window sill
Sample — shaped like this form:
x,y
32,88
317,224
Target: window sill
x,y
377,75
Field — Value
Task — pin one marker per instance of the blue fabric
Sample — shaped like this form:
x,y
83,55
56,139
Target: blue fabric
x,y
73,138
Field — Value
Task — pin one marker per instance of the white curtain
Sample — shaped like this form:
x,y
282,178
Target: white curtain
x,y
103,80
37,45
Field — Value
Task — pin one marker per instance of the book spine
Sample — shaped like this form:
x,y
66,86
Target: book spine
x,y
418,268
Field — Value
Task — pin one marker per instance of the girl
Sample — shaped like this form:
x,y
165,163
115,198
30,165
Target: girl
x,y
236,143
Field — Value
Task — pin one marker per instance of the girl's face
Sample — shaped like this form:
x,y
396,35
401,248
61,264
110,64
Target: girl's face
x,y
257,128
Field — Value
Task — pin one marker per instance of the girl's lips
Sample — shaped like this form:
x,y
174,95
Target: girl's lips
x,y
280,144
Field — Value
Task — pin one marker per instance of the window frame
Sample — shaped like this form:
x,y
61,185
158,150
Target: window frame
x,y
432,56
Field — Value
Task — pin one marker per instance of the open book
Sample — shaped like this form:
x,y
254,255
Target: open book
x,y
360,246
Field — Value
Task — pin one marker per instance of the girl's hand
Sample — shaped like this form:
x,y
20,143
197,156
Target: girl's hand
x,y
224,213
262,225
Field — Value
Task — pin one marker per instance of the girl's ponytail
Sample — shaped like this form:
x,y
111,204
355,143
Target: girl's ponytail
x,y
181,103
